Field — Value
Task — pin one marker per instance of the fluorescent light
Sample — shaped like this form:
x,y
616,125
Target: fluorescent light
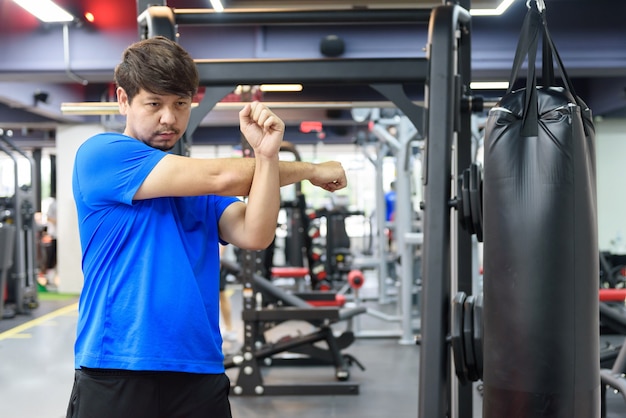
x,y
502,7
217,6
45,10
280,87
489,85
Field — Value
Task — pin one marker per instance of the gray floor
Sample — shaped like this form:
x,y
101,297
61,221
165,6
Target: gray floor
x,y
36,374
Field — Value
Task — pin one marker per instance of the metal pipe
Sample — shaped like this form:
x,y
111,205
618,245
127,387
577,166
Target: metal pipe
x,y
107,108
404,224
66,55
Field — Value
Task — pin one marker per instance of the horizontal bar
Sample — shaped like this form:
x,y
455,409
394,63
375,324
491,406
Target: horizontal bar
x,y
295,17
312,71
321,389
111,108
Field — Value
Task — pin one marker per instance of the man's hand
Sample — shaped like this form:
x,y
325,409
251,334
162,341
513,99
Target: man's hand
x,y
262,129
329,176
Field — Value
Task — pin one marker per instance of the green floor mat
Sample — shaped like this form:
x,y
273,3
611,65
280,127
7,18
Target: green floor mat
x,y
56,296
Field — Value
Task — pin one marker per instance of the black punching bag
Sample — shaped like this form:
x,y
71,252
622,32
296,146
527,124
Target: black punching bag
x,y
541,326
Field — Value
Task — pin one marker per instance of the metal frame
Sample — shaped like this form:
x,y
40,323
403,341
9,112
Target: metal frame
x,y
448,35
222,76
446,48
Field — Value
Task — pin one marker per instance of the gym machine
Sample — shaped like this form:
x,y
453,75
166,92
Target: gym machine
x,y
7,244
293,202
330,256
266,306
18,210
325,260
404,147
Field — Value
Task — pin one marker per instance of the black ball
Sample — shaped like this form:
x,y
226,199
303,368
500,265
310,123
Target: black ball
x,y
332,46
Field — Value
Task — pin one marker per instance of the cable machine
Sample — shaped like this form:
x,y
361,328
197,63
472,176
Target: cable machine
x,y
18,210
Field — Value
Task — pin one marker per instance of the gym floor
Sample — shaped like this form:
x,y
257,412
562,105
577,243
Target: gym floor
x,y
36,372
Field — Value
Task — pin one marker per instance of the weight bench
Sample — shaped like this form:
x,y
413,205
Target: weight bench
x,y
290,307
299,274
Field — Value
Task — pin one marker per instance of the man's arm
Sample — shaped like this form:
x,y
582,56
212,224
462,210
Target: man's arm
x,y
254,225
175,175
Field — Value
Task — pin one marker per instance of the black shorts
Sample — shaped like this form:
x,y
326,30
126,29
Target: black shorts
x,y
104,393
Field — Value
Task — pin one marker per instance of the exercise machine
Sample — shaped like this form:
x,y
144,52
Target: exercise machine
x,y
266,306
17,208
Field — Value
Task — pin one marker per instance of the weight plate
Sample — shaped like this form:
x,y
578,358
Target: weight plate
x,y
468,338
476,199
456,339
478,334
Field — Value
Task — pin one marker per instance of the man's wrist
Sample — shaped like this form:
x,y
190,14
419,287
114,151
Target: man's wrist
x,y
311,169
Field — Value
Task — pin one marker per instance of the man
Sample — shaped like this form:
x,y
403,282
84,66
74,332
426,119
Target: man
x,y
390,202
148,339
390,212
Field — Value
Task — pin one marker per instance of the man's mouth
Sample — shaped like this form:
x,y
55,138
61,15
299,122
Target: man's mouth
x,y
167,134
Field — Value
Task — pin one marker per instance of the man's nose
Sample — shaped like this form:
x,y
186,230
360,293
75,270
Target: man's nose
x,y
168,117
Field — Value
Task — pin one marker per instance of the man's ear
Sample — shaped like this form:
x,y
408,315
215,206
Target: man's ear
x,y
122,101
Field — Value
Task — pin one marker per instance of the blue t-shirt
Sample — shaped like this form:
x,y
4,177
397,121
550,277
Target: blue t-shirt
x,y
150,299
390,205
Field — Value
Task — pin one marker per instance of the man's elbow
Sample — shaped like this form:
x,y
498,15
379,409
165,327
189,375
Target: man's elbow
x,y
259,243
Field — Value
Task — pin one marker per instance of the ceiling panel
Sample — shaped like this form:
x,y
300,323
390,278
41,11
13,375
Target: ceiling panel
x,y
118,14
590,35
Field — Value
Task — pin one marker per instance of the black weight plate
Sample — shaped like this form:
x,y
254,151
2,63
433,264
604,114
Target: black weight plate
x,y
478,334
468,338
456,339
476,200
459,205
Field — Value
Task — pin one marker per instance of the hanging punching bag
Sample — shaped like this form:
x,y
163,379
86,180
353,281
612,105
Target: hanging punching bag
x,y
541,330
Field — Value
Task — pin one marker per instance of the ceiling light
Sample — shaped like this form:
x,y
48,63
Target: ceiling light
x,y
45,10
280,87
217,5
502,7
489,85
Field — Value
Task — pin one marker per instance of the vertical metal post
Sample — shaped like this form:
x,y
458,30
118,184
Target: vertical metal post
x,y
404,227
465,266
383,270
442,103
36,153
464,260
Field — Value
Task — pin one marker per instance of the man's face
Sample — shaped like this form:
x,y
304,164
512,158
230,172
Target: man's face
x,y
159,120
